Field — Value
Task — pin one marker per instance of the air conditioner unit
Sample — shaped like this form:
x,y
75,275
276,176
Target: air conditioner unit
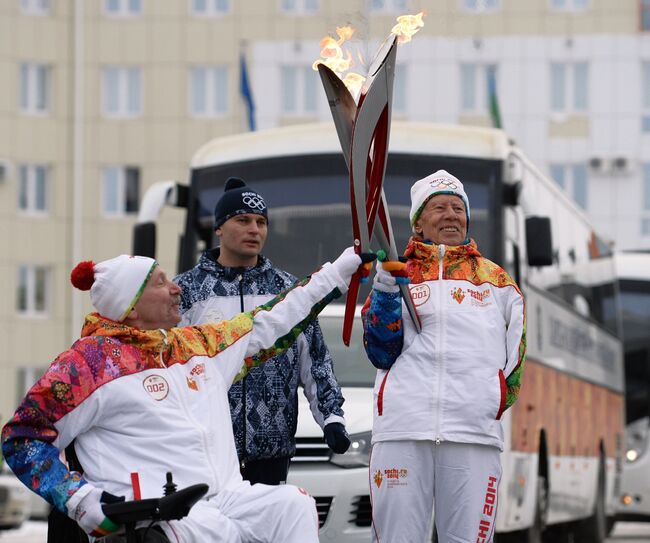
x,y
598,165
622,165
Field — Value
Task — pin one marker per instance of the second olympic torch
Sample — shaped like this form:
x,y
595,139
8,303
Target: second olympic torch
x,y
363,130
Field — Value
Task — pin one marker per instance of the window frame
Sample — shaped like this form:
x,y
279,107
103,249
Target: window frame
x,y
210,9
123,74
480,100
211,85
30,286
27,179
569,6
571,84
31,7
480,6
300,8
121,191
31,77
123,10
306,81
570,183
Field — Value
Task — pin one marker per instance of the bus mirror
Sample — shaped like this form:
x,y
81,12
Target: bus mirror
x,y
510,193
539,243
144,239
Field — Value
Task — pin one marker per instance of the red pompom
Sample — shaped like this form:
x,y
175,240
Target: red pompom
x,y
83,276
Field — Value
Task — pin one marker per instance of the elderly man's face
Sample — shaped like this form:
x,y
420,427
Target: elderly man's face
x,y
158,306
443,220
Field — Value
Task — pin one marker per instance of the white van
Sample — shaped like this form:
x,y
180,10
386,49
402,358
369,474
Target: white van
x,y
339,482
14,500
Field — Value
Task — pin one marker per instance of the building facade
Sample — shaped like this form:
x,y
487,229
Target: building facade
x,y
101,98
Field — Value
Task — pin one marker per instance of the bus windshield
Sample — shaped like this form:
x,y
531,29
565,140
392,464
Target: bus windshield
x,y
308,198
635,305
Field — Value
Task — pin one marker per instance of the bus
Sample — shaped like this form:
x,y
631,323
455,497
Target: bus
x,y
633,275
564,437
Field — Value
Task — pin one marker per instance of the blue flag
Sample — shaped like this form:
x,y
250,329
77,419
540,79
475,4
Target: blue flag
x,y
246,91
493,100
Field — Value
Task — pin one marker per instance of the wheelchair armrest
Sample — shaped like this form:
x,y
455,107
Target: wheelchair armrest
x,y
177,505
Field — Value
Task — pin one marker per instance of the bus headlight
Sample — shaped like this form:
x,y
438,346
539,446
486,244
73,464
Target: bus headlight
x,y
358,455
637,434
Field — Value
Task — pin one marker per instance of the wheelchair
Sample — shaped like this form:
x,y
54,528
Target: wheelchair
x,y
173,505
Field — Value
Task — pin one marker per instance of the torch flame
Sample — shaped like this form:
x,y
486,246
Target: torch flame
x,y
338,60
407,26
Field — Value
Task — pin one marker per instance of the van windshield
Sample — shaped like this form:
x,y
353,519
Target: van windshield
x,y
351,365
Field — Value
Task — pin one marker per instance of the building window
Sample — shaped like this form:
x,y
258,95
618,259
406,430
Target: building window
x,y
479,6
645,14
33,290
572,179
210,8
474,87
300,6
388,6
645,96
120,190
33,188
35,88
569,5
122,8
209,91
28,377
299,87
35,7
122,91
569,87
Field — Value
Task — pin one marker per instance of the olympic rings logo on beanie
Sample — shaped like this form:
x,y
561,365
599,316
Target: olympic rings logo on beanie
x,y
238,199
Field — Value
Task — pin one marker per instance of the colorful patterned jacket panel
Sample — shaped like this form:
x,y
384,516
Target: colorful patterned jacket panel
x,y
265,404
465,367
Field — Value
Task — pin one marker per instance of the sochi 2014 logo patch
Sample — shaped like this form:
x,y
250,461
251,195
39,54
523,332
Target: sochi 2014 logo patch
x,y
458,294
420,294
480,298
156,386
378,478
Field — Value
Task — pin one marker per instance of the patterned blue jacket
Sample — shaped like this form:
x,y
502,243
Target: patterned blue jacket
x,y
266,401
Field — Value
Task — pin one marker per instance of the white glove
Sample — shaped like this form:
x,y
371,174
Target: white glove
x,y
389,280
383,280
346,264
85,507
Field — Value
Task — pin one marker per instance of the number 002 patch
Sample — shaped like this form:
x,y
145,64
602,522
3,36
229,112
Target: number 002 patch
x,y
156,386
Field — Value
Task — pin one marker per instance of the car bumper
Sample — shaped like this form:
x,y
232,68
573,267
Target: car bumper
x,y
342,499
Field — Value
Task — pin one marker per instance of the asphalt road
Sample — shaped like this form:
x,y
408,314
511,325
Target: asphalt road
x,y
36,532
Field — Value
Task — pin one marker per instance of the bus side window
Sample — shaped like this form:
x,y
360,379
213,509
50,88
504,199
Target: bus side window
x,y
513,262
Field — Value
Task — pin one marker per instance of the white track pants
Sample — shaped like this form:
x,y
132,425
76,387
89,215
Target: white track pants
x,y
251,513
406,477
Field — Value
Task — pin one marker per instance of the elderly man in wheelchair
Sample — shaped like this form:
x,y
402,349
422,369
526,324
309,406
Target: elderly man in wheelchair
x,y
140,398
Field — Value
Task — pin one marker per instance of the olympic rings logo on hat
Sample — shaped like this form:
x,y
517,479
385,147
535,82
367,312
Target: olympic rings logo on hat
x,y
444,182
254,202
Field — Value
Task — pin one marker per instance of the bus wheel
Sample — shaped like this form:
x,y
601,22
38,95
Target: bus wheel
x,y
535,532
594,529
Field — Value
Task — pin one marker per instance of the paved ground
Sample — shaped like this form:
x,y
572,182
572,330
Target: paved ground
x,y
35,532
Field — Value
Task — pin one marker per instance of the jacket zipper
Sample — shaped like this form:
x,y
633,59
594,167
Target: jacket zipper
x,y
441,254
242,464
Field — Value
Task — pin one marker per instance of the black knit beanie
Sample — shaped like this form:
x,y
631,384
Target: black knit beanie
x,y
238,199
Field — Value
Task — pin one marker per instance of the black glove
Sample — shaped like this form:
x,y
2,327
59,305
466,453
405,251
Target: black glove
x,y
336,437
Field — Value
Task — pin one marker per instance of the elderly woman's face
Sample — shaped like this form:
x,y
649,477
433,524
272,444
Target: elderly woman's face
x,y
158,306
443,220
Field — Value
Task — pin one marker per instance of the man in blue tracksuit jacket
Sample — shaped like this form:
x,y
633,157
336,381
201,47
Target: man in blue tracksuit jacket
x,y
264,406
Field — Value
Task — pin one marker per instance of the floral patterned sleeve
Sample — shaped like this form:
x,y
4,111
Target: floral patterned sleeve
x,y
30,440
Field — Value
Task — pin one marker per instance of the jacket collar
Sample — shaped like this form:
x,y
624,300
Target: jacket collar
x,y
148,340
421,250
209,263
